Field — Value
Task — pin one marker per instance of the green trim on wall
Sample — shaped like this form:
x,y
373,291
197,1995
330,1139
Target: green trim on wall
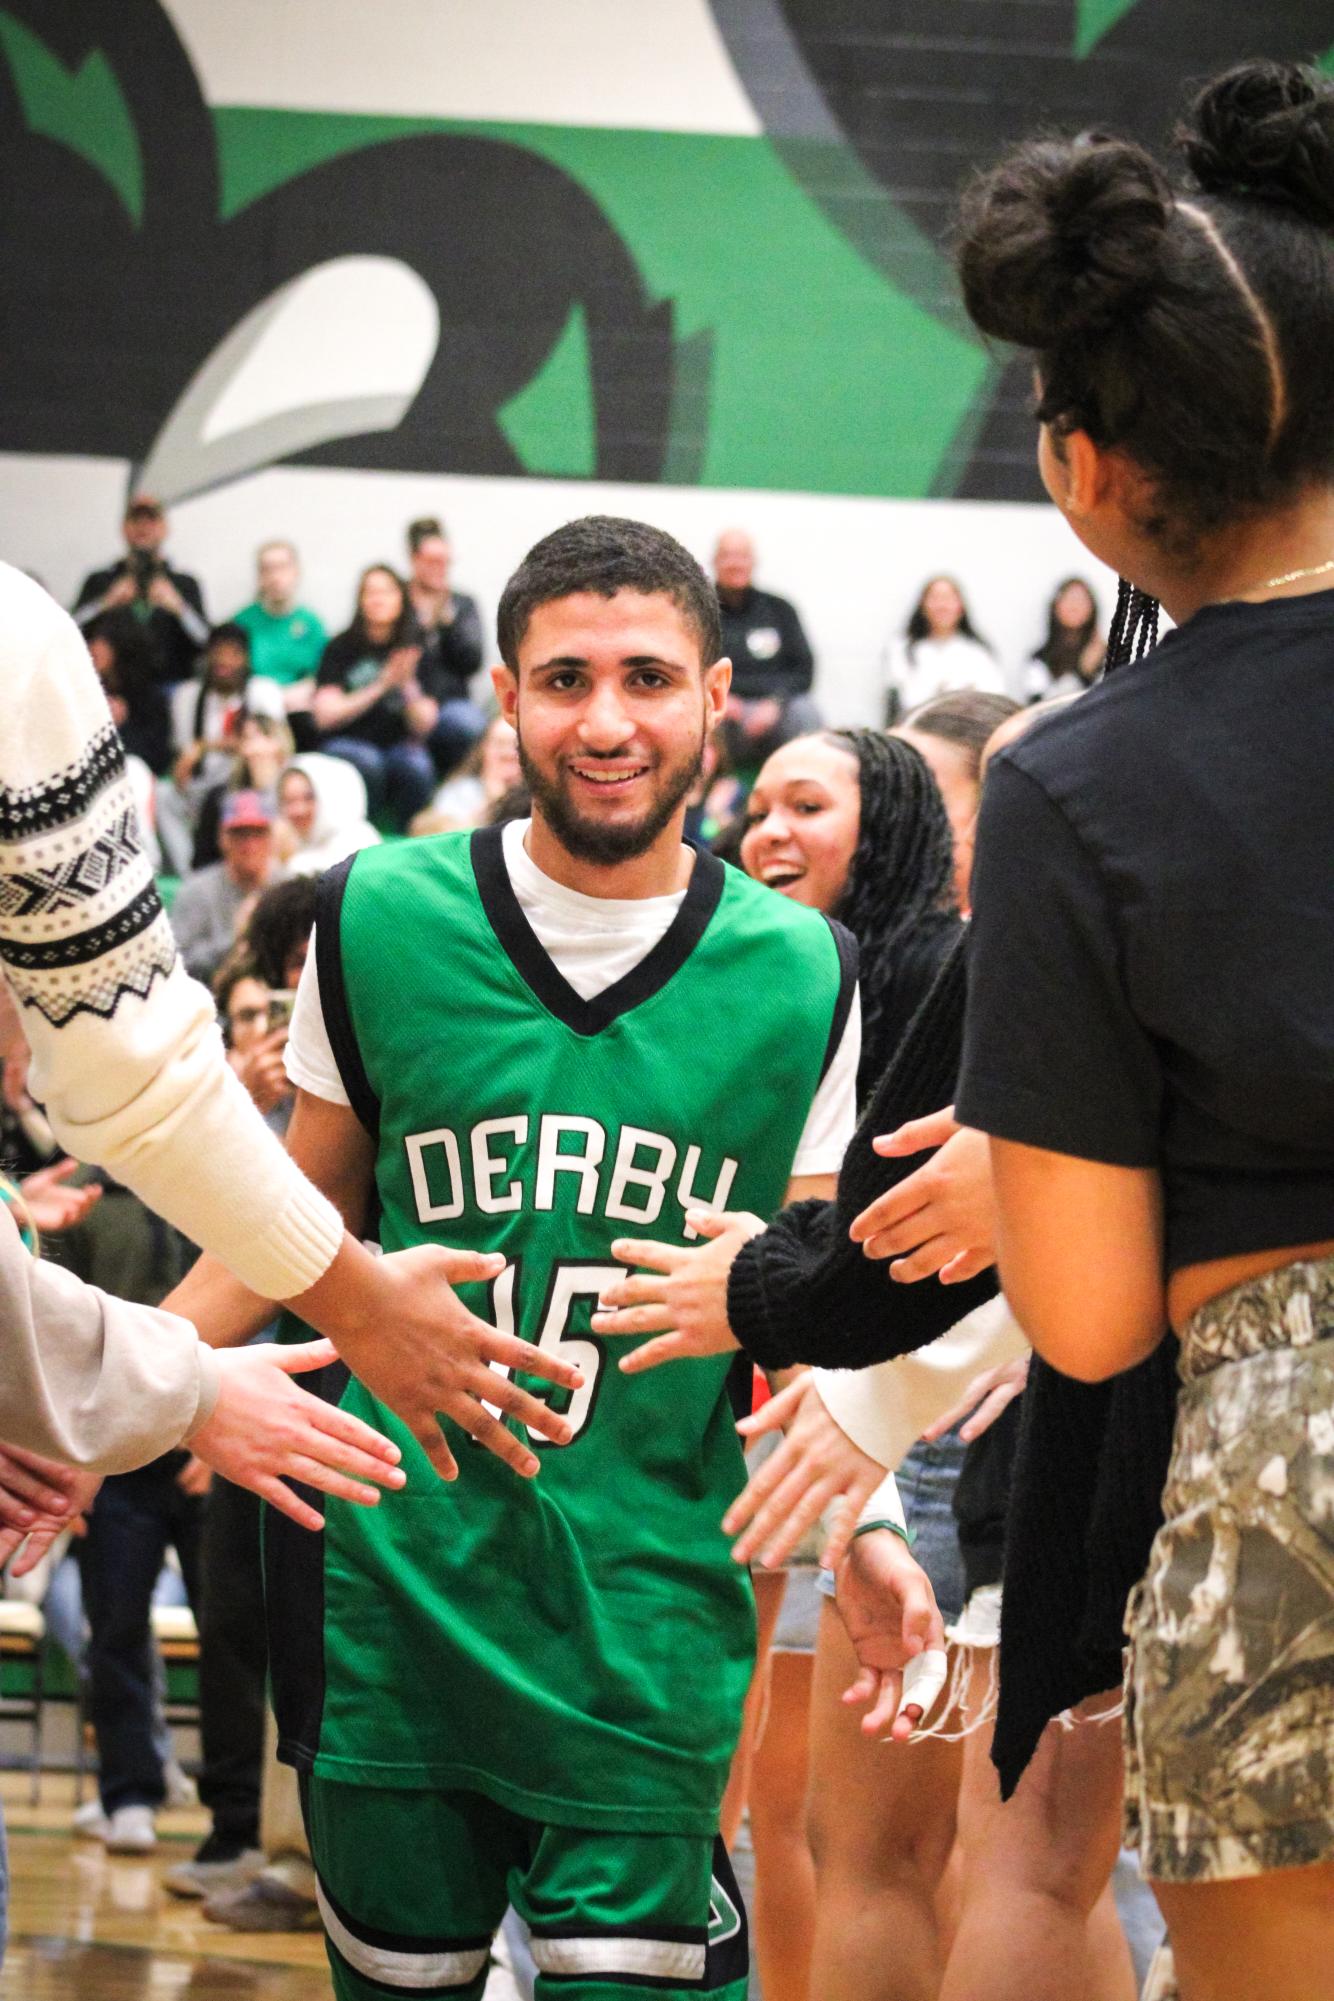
x,y
1094,19
81,108
805,335
551,423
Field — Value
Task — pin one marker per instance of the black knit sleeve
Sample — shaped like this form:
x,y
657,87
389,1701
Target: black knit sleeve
x,y
803,1291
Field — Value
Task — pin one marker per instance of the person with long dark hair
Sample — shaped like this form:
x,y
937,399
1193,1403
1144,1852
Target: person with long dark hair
x,y
1150,1037
369,701
941,650
1071,655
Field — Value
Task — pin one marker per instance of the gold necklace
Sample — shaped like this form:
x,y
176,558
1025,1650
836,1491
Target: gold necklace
x,y
1293,576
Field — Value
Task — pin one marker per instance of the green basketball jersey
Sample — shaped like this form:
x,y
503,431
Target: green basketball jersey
x,y
577,1647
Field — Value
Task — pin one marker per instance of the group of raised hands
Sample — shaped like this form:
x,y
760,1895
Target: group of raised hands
x,y
400,1327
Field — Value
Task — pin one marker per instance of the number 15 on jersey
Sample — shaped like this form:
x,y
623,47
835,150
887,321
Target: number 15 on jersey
x,y
573,1291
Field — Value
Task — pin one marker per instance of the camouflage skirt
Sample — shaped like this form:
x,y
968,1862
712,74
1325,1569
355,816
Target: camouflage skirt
x,y
1230,1677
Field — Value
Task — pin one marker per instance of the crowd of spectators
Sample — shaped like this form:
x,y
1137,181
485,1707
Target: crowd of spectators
x,y
383,726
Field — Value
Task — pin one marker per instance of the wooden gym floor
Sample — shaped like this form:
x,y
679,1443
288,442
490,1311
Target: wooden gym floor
x,y
88,1926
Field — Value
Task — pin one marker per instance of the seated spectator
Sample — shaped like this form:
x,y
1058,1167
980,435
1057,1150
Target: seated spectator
x,y
287,639
772,663
168,602
1071,656
263,749
206,718
212,905
124,662
322,808
255,1035
467,798
939,652
369,702
452,642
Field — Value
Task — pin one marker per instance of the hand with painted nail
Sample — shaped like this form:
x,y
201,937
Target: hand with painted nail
x,y
680,1296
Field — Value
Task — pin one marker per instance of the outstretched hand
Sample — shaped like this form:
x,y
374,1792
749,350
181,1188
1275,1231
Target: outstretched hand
x,y
682,1298
414,1344
51,1204
39,1498
985,1397
265,1430
817,1467
941,1220
886,1603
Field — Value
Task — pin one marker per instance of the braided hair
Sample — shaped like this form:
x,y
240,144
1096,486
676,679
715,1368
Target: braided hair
x,y
899,898
1134,626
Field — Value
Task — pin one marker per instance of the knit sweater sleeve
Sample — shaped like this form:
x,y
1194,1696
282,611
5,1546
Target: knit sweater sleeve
x,y
802,1291
127,1057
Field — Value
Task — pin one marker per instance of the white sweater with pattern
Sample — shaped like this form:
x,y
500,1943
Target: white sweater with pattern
x,y
127,1056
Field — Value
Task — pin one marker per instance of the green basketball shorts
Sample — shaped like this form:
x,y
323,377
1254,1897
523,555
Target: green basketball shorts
x,y
413,1886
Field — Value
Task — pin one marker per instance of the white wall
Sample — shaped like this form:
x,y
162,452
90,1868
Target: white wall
x,y
852,566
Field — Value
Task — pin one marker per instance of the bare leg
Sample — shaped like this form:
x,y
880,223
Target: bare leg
x,y
1036,1868
784,1869
882,1825
1257,1936
769,1588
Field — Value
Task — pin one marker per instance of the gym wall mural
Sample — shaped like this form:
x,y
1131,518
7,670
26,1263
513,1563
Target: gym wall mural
x,y
697,244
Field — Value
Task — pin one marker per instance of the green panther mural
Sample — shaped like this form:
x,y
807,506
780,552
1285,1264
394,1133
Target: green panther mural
x,y
763,306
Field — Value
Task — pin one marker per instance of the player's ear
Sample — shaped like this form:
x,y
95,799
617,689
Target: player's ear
x,y
506,684
717,681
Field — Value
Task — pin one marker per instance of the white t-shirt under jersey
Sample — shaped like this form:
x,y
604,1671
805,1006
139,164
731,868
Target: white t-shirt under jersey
x,y
592,941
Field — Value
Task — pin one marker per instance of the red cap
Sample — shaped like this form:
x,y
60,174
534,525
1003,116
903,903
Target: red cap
x,y
245,809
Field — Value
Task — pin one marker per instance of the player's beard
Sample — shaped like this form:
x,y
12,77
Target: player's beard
x,y
596,841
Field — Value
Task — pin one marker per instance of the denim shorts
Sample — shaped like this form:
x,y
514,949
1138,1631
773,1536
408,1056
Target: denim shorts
x,y
927,1477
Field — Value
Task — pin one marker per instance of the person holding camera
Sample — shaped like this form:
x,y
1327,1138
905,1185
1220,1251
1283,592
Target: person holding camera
x,y
169,602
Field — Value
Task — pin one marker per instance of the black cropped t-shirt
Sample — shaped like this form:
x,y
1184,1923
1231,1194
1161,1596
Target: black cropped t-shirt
x,y
1151,973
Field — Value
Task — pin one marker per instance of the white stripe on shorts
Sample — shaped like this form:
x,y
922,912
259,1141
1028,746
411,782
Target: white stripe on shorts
x,y
414,1972
658,1958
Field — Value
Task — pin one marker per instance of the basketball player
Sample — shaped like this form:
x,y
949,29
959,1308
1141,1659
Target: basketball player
x,y
524,1043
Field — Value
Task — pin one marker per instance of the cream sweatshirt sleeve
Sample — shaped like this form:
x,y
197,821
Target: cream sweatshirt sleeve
x,y
885,1409
88,1379
127,1056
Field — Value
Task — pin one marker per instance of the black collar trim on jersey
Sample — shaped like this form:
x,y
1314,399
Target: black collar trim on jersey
x,y
535,968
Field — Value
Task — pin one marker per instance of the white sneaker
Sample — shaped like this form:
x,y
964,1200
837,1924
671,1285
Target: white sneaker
x,y
201,1878
131,1830
90,1823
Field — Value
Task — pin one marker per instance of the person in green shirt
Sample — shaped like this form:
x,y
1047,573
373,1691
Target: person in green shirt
x,y
286,638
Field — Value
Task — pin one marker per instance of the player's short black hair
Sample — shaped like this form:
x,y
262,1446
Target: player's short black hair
x,y
606,554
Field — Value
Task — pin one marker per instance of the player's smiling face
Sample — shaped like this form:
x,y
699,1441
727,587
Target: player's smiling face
x,y
612,706
803,819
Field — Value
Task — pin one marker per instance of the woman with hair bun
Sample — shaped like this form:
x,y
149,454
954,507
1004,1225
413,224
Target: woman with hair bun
x,y
1150,1028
